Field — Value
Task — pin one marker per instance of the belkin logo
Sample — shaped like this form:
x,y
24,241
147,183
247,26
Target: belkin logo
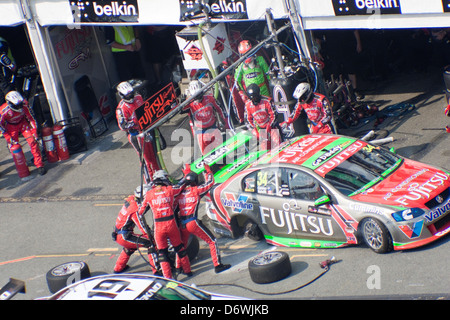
x,y
230,6
105,11
366,7
230,9
115,9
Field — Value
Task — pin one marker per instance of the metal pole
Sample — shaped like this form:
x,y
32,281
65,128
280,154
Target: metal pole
x,y
269,19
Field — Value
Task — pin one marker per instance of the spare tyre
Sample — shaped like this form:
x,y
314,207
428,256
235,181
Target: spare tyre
x,y
269,267
192,247
65,274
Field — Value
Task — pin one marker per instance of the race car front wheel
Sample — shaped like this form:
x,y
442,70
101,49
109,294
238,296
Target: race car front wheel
x,y
376,235
65,274
269,267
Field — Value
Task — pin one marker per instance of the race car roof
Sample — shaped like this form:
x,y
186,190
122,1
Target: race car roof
x,y
313,151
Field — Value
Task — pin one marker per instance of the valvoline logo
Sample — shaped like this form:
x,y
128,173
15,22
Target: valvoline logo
x,y
413,231
238,204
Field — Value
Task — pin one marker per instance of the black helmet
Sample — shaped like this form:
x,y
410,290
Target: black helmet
x,y
191,178
254,93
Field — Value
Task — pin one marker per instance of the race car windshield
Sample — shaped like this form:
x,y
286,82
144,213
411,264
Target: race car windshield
x,y
362,170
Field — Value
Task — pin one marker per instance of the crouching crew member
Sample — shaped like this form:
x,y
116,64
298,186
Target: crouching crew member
x,y
124,233
188,202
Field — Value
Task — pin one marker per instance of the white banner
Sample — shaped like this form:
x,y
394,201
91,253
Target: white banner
x,y
374,14
150,12
11,13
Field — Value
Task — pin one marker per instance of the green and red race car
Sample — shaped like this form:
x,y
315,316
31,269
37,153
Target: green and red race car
x,y
326,191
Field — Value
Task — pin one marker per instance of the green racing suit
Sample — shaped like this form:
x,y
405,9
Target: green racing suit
x,y
254,72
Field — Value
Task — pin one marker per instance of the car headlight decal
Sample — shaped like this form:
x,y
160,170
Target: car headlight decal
x,y
407,214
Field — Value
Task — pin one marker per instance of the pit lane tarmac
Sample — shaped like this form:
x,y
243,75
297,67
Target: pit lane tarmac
x,y
65,198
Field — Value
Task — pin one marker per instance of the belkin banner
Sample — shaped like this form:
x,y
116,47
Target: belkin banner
x,y
223,9
105,11
366,7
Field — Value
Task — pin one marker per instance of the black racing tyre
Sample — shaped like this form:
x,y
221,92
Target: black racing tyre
x,y
192,247
253,232
376,235
269,267
65,274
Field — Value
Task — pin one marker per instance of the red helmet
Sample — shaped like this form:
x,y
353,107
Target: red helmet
x,y
244,46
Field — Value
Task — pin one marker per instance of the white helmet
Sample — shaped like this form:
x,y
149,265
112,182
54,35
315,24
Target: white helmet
x,y
194,87
126,91
14,100
138,193
302,92
161,177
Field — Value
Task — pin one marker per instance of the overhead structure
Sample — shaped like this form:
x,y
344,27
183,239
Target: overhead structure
x,y
374,14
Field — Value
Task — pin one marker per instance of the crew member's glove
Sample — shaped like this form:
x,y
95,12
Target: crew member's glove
x,y
207,168
447,111
148,137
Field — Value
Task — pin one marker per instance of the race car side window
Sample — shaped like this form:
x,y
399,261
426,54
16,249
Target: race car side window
x,y
303,186
268,181
249,182
265,181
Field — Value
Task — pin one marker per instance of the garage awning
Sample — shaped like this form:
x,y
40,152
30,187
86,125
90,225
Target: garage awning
x,y
374,14
148,12
11,13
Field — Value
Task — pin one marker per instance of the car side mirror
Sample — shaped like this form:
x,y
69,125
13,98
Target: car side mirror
x,y
322,200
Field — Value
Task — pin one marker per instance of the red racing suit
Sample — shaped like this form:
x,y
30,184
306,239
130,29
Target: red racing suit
x,y
203,122
13,123
317,112
127,121
161,200
188,202
262,116
124,235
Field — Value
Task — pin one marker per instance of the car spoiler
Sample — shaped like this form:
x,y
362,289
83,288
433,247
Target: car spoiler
x,y
226,154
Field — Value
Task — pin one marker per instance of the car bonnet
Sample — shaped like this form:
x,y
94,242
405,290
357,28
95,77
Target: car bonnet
x,y
413,184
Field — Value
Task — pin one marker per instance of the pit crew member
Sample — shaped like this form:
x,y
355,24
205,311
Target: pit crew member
x,y
161,200
16,117
316,106
188,202
124,234
127,121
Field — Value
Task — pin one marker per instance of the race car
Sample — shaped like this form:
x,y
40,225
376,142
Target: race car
x,y
326,191
132,286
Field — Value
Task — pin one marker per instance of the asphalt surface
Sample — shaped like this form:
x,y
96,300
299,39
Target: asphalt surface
x,y
94,182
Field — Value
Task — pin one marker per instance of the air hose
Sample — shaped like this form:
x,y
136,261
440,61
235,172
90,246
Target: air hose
x,y
325,265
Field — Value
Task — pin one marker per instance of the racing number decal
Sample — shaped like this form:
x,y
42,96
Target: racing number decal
x,y
262,179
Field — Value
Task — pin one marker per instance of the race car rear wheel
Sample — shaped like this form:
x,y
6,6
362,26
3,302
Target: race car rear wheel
x,y
192,247
269,267
376,235
66,274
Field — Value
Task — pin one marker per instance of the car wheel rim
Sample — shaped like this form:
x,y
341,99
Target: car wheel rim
x,y
267,258
67,268
373,234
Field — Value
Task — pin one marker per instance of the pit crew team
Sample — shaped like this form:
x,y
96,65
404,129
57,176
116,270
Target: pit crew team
x,y
175,206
